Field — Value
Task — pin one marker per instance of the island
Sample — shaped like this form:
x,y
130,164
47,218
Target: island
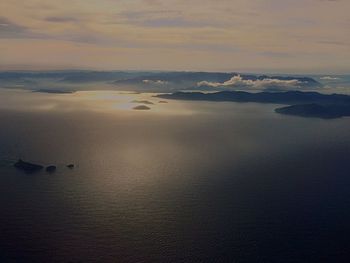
x,y
28,167
329,111
141,107
304,104
54,91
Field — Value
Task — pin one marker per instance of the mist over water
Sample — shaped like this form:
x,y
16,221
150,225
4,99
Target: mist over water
x,y
182,182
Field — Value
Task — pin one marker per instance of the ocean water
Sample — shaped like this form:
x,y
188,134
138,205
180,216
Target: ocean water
x,y
182,182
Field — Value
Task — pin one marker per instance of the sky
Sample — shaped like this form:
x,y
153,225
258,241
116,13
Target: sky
x,y
289,36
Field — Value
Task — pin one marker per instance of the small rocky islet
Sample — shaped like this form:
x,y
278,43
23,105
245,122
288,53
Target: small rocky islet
x,y
29,167
141,107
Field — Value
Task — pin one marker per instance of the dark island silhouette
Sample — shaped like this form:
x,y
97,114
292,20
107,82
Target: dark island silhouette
x,y
329,111
304,104
54,91
28,167
141,107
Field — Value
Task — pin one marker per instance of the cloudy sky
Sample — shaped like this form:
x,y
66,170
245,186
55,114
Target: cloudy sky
x,y
295,36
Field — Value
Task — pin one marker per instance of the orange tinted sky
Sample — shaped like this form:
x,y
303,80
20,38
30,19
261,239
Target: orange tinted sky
x,y
222,35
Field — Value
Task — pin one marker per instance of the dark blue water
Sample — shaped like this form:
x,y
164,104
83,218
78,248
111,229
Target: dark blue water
x,y
229,183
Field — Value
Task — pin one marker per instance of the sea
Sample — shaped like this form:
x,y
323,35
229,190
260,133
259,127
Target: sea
x,y
179,182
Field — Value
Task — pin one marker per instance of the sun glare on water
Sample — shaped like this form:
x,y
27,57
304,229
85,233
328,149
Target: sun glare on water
x,y
97,101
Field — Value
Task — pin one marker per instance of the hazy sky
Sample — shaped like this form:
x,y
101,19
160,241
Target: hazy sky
x,y
214,35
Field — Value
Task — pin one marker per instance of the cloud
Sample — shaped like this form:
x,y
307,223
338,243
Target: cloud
x,y
155,82
60,19
329,78
238,82
186,35
12,30
161,19
170,22
9,29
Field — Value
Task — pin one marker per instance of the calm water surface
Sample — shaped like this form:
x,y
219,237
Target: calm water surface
x,y
183,182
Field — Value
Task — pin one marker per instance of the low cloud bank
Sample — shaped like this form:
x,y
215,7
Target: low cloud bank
x,y
329,78
155,82
238,82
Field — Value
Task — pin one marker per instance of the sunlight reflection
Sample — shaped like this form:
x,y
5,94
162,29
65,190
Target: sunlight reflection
x,y
97,101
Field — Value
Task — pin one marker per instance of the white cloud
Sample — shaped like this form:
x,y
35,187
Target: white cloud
x,y
329,78
155,82
238,82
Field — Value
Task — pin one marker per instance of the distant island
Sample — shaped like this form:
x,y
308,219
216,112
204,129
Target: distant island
x,y
141,107
27,166
153,81
304,104
54,91
193,78
329,111
31,168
